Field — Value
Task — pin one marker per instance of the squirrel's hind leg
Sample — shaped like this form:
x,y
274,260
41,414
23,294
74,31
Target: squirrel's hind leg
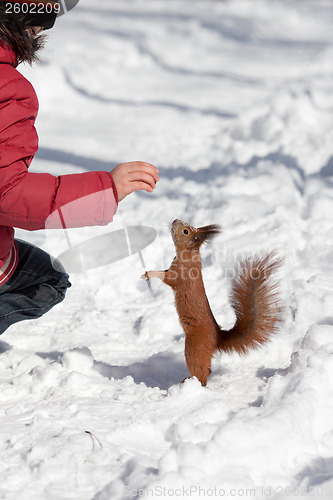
x,y
198,364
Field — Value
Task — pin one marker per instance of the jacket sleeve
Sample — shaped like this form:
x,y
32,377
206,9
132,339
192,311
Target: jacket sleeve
x,y
36,201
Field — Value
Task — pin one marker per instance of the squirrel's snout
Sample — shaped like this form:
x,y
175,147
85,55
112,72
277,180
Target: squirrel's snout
x,y
174,226
175,223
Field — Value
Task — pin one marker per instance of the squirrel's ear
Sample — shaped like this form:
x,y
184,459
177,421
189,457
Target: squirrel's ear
x,y
205,233
209,232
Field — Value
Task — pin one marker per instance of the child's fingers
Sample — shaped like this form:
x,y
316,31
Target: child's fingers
x,y
144,177
141,186
140,166
135,165
134,176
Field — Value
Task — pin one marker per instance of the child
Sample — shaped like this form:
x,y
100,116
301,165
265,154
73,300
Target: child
x,y
29,284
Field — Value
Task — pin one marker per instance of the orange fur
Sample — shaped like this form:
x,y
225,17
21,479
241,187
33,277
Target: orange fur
x,y
254,299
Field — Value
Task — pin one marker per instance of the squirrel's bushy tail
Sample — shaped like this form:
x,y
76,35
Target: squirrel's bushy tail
x,y
255,300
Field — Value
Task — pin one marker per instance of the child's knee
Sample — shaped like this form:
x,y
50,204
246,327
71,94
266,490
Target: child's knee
x,y
62,285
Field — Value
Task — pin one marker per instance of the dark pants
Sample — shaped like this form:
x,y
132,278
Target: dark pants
x,y
37,285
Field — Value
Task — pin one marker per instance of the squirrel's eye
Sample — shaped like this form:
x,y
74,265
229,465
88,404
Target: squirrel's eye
x,y
185,231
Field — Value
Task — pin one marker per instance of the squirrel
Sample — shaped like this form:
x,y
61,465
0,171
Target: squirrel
x,y
254,298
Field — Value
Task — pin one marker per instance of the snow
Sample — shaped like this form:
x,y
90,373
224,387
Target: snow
x,y
232,101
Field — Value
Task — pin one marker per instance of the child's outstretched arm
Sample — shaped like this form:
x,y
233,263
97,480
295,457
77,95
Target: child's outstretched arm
x,y
31,201
134,176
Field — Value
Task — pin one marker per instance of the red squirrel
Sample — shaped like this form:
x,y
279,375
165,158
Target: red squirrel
x,y
254,299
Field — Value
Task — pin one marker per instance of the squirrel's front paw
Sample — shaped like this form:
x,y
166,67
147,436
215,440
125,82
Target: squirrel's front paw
x,y
153,274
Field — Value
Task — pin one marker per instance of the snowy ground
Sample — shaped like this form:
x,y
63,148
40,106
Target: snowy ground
x,y
233,102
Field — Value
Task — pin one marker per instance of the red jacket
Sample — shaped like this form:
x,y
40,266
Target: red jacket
x,y
33,200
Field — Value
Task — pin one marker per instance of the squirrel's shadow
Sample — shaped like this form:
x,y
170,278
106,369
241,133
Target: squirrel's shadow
x,y
160,370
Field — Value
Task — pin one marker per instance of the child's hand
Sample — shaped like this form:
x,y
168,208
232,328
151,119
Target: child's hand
x,y
133,176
